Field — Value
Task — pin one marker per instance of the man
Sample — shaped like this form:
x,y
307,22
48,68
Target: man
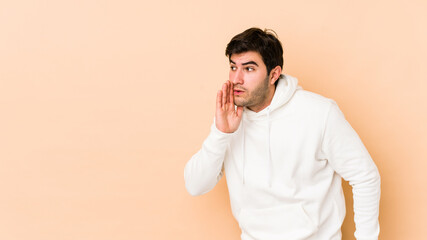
x,y
283,151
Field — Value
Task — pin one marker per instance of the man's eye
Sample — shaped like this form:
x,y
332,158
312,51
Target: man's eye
x,y
233,68
250,69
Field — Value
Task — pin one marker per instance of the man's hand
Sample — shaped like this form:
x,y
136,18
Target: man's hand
x,y
227,118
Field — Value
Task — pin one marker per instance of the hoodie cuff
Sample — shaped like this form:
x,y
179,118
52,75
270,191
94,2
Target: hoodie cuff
x,y
217,141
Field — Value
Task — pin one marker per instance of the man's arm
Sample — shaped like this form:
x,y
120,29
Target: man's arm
x,y
203,170
349,158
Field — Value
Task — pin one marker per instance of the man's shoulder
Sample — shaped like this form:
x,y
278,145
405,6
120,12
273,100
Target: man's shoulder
x,y
311,99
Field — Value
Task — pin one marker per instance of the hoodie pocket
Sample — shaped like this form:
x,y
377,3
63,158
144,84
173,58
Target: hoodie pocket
x,y
285,222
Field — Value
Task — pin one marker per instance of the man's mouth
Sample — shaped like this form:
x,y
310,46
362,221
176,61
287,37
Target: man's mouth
x,y
238,91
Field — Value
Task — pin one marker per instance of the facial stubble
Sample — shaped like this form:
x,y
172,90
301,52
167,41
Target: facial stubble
x,y
255,97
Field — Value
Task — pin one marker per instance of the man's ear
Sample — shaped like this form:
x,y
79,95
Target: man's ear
x,y
275,74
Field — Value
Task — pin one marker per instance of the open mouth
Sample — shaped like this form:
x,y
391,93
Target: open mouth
x,y
237,92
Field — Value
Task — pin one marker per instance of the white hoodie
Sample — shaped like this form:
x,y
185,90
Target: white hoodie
x,y
284,166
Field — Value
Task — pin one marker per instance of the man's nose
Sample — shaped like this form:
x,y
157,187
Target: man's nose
x,y
237,77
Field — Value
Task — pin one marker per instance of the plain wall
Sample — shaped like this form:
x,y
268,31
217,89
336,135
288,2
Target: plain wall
x,y
103,102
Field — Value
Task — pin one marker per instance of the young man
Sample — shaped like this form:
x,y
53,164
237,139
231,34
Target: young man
x,y
283,151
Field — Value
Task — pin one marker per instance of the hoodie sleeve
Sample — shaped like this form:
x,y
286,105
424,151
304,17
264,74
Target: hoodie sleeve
x,y
350,159
204,169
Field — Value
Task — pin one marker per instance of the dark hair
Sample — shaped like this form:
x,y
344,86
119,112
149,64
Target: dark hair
x,y
264,42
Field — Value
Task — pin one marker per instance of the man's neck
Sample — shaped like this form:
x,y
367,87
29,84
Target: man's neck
x,y
266,103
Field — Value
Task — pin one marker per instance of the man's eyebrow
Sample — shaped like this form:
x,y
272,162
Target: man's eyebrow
x,y
250,62
246,63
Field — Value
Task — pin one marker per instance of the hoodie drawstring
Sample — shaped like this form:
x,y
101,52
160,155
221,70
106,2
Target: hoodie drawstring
x,y
286,88
243,152
270,161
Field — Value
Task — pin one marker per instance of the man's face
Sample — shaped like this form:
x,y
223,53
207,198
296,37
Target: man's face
x,y
248,74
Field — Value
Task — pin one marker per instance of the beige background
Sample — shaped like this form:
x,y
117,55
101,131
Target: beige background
x,y
103,102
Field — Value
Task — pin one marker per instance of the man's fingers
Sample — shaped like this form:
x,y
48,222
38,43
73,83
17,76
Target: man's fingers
x,y
231,93
224,94
239,111
219,99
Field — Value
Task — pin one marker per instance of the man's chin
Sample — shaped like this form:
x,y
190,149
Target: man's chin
x,y
238,101
239,104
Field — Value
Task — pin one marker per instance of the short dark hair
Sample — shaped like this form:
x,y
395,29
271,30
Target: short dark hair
x,y
264,42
